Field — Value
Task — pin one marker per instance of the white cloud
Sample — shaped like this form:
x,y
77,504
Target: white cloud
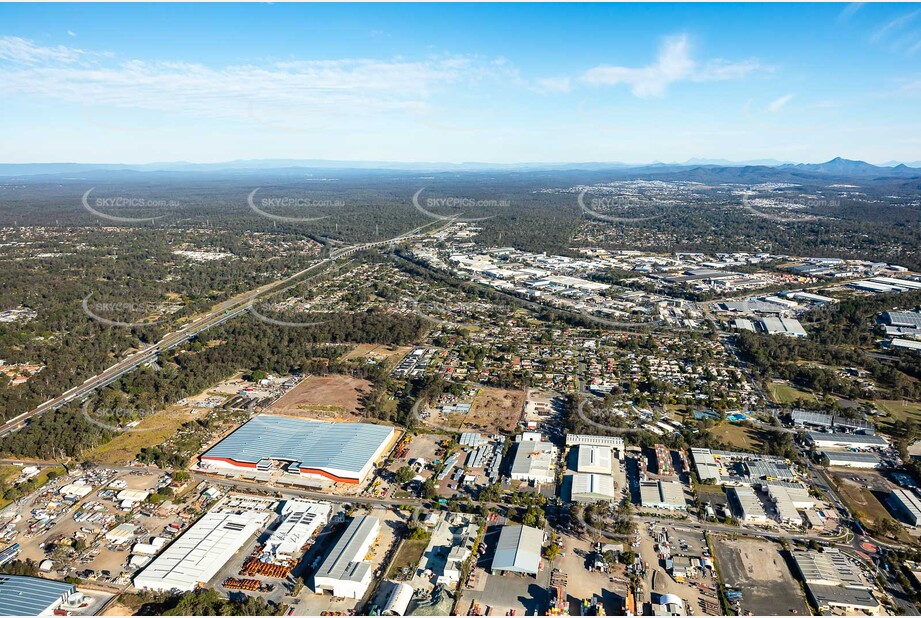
x,y
554,84
71,33
777,104
674,64
299,87
850,10
17,49
893,25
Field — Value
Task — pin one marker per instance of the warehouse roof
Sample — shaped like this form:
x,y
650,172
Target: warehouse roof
x,y
346,561
847,438
518,550
852,457
199,554
30,596
318,446
592,485
835,596
301,518
594,459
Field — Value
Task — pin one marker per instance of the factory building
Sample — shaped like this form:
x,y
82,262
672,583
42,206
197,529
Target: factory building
x,y
788,501
518,550
746,505
849,459
534,461
300,521
397,602
345,572
594,459
833,583
338,452
662,495
612,442
708,471
592,487
197,556
906,504
32,596
803,418
789,327
845,440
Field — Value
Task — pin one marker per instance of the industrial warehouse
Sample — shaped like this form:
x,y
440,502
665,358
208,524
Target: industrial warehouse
x,y
338,452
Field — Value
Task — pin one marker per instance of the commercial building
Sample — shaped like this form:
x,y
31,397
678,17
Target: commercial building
x,y
849,459
788,501
832,582
663,495
906,504
905,319
397,602
805,418
758,469
32,596
518,550
300,521
197,556
592,487
789,327
746,505
612,442
708,471
345,572
594,459
845,440
340,452
534,461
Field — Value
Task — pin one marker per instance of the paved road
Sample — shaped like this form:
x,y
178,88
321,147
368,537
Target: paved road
x,y
218,314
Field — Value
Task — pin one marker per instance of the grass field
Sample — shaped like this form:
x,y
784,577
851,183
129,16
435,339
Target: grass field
x,y
787,393
740,437
865,507
409,556
151,431
900,411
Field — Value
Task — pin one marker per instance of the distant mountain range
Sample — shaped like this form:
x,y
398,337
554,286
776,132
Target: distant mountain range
x,y
769,169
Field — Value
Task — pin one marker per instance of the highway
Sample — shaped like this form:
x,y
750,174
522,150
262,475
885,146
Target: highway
x,y
218,314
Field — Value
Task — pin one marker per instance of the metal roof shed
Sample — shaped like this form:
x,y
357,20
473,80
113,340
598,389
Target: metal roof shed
x,y
518,550
31,596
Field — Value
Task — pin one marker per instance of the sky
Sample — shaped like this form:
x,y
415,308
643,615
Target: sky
x,y
500,83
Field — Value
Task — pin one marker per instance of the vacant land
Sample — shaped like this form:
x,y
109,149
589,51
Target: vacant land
x,y
333,397
408,557
900,411
740,437
494,410
862,499
377,352
786,393
151,431
758,569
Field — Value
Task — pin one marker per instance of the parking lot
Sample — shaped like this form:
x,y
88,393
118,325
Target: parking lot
x,y
758,569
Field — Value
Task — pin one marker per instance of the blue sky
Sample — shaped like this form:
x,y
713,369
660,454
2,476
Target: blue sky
x,y
494,83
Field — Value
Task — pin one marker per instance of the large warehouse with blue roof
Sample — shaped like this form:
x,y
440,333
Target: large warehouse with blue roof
x,y
339,452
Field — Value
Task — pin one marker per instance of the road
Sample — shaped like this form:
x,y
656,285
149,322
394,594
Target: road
x,y
218,314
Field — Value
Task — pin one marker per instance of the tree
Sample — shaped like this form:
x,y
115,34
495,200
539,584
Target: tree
x,y
405,475
551,552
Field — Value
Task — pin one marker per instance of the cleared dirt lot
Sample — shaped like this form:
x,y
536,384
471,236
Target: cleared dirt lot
x,y
494,410
333,397
384,353
758,569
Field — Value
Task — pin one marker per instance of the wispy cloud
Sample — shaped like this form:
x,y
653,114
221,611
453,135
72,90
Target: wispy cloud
x,y
554,84
893,25
71,33
777,104
340,86
849,11
673,64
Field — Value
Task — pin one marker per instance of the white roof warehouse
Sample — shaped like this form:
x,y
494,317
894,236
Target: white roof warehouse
x,y
345,572
340,452
199,554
